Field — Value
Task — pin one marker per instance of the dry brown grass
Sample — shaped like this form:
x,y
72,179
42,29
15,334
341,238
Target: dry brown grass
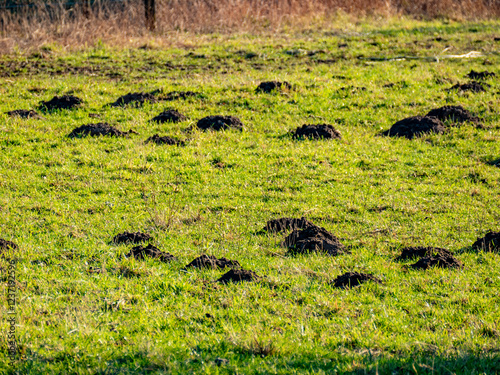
x,y
82,26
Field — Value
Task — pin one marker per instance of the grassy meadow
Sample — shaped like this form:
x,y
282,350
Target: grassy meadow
x,y
62,200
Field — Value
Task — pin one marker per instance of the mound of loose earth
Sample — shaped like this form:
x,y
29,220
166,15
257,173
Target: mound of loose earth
x,y
219,123
270,86
238,275
453,113
429,257
495,162
471,86
61,102
313,239
490,242
24,113
352,279
164,140
413,252
95,130
129,237
210,261
140,252
286,224
137,99
316,131
174,95
480,75
416,126
4,245
170,115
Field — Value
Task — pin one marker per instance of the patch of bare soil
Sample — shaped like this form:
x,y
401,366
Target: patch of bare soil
x,y
136,99
164,140
25,113
210,261
170,115
271,86
442,261
473,86
454,113
219,123
141,252
316,131
495,162
129,237
489,243
413,252
286,224
313,239
61,102
480,75
238,275
353,279
416,126
5,245
95,130
175,95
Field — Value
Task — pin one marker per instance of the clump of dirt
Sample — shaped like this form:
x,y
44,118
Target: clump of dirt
x,y
490,242
313,239
219,123
164,140
316,131
174,95
495,162
416,126
24,113
238,275
270,86
170,115
352,279
136,98
473,86
455,113
129,237
61,102
421,252
210,261
480,75
286,224
95,130
5,245
141,252
441,260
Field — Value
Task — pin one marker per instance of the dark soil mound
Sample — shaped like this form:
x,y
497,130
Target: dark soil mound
x,y
313,239
164,140
471,86
495,162
95,130
480,75
318,131
441,260
219,123
137,99
170,115
239,275
352,279
128,237
273,85
454,113
490,242
174,95
412,127
210,261
140,252
4,245
24,113
61,102
421,252
286,224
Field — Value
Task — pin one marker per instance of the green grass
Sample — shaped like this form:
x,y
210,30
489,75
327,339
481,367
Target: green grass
x,y
62,200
